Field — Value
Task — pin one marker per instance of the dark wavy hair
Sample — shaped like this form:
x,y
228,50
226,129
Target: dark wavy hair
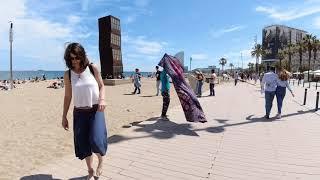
x,y
77,50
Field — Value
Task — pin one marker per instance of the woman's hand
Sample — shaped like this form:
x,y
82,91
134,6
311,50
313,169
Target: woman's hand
x,y
102,105
65,123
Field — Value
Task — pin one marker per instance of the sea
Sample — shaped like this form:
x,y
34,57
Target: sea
x,y
21,75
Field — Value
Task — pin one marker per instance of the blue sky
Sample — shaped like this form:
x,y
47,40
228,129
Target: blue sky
x,y
205,30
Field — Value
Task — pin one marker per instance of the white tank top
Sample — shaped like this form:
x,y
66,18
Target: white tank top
x,y
85,89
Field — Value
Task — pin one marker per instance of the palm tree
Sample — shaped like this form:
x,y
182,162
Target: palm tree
x,y
257,52
308,43
299,47
231,66
290,51
223,62
316,47
250,65
281,55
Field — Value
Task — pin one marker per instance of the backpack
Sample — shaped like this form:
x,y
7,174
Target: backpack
x,y
90,67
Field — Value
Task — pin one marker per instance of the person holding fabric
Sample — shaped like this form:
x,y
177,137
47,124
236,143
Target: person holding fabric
x,y
269,86
84,83
282,85
189,102
165,92
137,81
158,72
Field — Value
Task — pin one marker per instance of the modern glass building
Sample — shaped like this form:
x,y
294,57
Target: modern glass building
x,y
277,37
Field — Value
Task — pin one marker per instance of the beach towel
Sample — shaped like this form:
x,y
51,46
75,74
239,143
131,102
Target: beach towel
x,y
188,99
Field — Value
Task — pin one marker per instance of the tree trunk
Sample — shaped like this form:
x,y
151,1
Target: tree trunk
x,y
289,65
314,59
257,68
300,62
309,65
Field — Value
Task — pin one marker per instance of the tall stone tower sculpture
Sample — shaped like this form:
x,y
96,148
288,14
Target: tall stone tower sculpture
x,y
110,47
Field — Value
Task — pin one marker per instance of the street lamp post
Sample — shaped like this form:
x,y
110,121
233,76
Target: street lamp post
x,y
241,61
11,40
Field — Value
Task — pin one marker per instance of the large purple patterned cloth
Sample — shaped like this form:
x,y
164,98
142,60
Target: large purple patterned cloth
x,y
188,99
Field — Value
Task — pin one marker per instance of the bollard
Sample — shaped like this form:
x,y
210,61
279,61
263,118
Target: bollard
x,y
316,85
317,102
298,82
303,84
309,84
293,82
305,96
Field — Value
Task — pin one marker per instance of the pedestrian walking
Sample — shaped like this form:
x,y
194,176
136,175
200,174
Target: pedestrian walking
x,y
236,78
200,79
165,92
84,83
158,81
137,81
282,85
268,87
212,80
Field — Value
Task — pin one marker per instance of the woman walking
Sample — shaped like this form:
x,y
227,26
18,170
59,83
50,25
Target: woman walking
x,y
137,81
84,83
200,78
282,85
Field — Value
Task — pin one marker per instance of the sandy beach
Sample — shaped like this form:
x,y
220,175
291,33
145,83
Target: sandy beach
x,y
31,134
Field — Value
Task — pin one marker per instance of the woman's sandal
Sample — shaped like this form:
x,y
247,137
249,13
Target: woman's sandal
x,y
99,171
90,174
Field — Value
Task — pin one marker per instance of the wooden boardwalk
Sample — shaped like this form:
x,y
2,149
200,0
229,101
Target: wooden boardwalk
x,y
236,143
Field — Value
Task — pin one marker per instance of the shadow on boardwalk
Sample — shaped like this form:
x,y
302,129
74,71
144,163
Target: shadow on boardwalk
x,y
168,129
49,177
39,177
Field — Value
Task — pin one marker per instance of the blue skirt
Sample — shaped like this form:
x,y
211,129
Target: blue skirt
x,y
90,133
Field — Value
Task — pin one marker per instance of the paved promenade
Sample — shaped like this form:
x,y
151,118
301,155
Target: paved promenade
x,y
236,143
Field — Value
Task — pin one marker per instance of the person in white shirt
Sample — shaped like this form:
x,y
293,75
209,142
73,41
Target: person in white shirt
x,y
84,84
211,82
269,86
282,85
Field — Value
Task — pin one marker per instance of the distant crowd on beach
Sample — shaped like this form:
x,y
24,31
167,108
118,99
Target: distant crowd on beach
x,y
6,85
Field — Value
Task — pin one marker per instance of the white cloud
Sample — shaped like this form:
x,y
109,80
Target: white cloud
x,y
130,19
316,22
141,3
287,14
144,46
85,5
72,19
199,56
218,33
37,39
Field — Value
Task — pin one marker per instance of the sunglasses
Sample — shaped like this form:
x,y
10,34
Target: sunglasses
x,y
74,58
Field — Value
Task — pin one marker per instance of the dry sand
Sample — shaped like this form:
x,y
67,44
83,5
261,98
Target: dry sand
x,y
30,119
